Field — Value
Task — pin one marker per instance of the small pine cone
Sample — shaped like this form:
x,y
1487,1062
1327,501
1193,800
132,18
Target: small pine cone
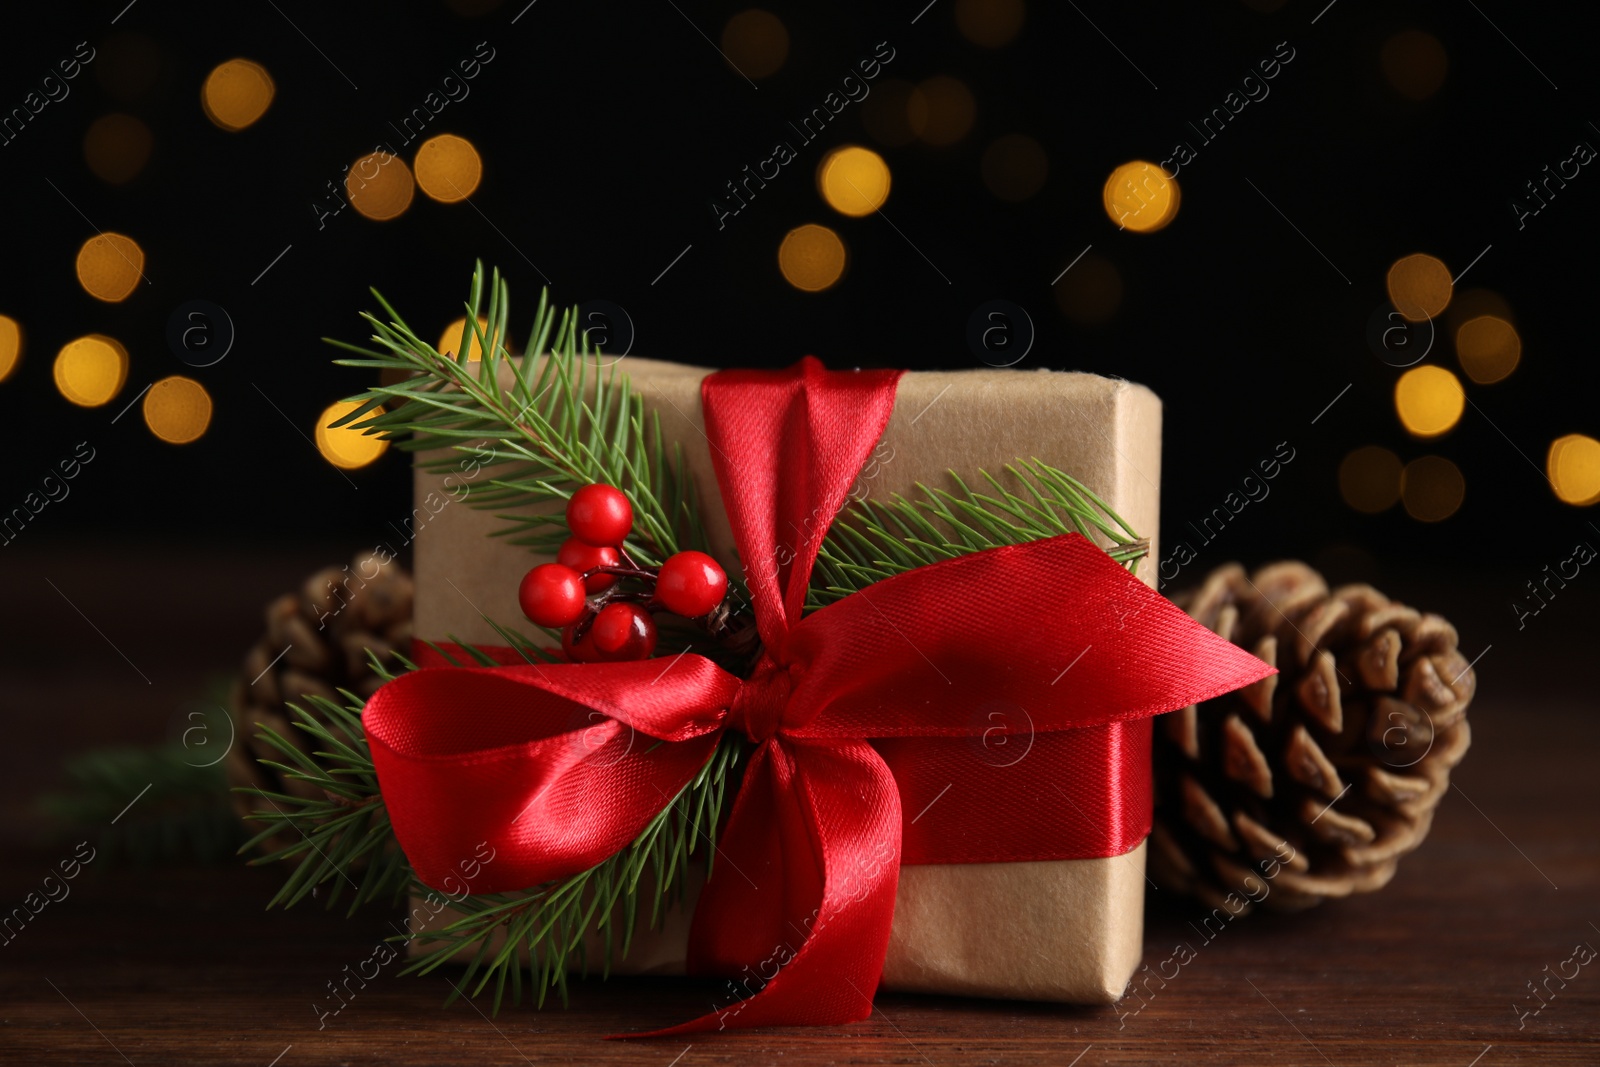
x,y
315,644
1310,783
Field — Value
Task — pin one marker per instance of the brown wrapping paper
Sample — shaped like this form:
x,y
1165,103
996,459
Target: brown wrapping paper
x,y
1066,930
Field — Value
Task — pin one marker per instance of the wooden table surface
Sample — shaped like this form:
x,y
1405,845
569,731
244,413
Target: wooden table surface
x,y
183,966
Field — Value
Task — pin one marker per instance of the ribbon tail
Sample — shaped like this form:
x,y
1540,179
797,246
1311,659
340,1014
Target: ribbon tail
x,y
815,813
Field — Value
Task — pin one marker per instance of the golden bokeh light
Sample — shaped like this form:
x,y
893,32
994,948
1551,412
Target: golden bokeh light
x,y
1429,400
941,110
756,43
1488,348
1573,466
853,180
1414,63
91,370
1014,167
1432,488
345,448
812,258
1139,196
1091,290
448,168
1419,286
886,113
117,147
990,23
450,340
380,186
177,409
1369,479
10,346
236,94
109,266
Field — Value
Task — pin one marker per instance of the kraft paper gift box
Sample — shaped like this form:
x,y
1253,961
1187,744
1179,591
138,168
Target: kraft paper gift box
x,y
1059,930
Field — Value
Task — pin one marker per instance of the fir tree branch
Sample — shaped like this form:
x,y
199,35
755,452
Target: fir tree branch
x,y
341,839
149,804
542,426
875,540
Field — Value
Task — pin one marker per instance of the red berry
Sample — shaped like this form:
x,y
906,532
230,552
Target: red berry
x,y
691,584
599,515
581,650
624,631
551,595
581,557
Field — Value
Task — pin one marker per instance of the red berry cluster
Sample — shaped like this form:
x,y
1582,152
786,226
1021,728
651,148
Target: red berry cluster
x,y
600,619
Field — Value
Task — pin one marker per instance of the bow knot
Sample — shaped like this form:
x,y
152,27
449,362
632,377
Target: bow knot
x,y
759,706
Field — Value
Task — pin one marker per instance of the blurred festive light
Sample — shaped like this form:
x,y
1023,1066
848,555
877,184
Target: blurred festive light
x,y
1139,196
1429,400
1488,348
853,180
755,42
177,409
1573,465
343,447
1014,167
379,186
448,168
450,341
1414,63
128,64
812,257
1369,479
989,23
1432,488
109,266
940,110
885,113
116,147
236,94
1419,286
10,346
90,370
1091,291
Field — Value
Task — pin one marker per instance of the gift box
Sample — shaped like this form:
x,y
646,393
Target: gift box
x,y
1051,929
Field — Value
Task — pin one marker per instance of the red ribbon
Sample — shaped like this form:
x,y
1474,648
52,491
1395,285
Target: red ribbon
x,y
857,711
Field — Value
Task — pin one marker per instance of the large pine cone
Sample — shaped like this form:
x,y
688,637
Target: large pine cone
x,y
315,644
1312,782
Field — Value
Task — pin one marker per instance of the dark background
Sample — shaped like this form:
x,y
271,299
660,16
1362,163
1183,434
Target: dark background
x,y
605,131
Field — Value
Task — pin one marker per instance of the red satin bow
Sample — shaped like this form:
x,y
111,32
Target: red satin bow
x,y
547,765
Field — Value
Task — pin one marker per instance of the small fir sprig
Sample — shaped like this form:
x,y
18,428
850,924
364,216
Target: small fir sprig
x,y
342,838
154,804
547,424
875,540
